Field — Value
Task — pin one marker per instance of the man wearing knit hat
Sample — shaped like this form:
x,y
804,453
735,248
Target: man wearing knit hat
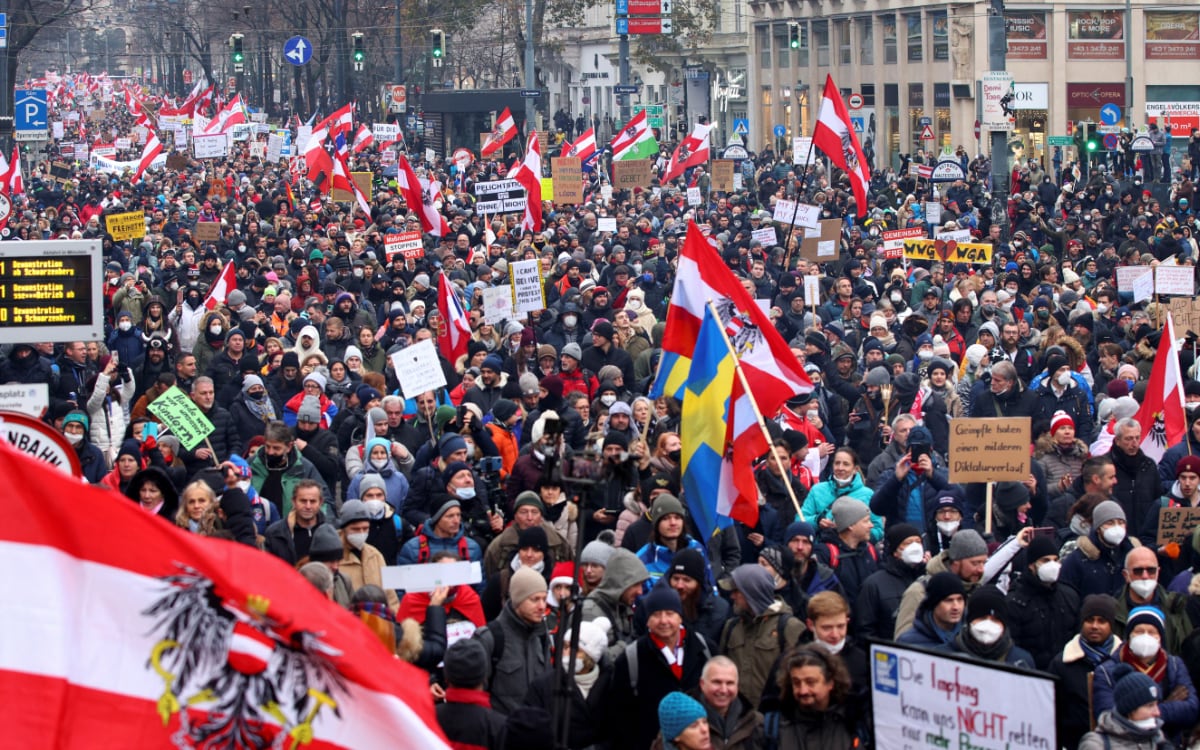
x,y
490,385
809,575
1042,614
966,557
763,629
880,595
527,513
668,537
1135,719
466,716
517,641
604,351
1095,566
850,553
444,529
666,659
1076,663
1184,492
590,724
938,619
683,723
1058,392
985,633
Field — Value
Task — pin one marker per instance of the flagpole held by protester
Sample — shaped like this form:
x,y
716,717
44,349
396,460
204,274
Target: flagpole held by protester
x,y
787,261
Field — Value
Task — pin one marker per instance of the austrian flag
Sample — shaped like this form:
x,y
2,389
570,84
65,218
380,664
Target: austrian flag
x,y
834,135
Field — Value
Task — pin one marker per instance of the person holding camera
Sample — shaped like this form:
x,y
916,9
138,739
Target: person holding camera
x,y
622,475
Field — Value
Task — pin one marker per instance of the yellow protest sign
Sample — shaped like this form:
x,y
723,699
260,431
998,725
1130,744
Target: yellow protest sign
x,y
126,226
948,251
177,411
547,188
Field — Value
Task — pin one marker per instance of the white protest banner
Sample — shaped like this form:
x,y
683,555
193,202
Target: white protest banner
x,y
385,132
180,136
303,133
737,181
430,155
959,235
418,368
893,241
108,166
210,146
765,237
108,151
57,131
1175,280
32,399
802,152
424,578
922,700
804,215
812,291
693,196
274,147
499,197
527,292
123,144
933,212
407,244
258,149
497,304
607,224
1126,275
606,193
1143,288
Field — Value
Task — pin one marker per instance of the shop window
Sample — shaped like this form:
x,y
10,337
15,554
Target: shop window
x,y
915,37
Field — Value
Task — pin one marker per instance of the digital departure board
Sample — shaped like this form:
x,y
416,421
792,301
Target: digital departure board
x,y
51,290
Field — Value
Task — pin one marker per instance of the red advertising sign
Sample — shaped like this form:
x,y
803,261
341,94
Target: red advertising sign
x,y
407,244
1095,94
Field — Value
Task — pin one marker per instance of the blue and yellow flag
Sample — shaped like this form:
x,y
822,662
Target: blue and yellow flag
x,y
671,376
707,475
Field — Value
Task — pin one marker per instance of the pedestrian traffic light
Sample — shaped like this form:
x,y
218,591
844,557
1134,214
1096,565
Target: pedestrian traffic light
x,y
239,57
794,35
360,53
437,44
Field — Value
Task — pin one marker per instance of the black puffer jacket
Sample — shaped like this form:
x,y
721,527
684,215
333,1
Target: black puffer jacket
x,y
879,598
1042,618
1137,487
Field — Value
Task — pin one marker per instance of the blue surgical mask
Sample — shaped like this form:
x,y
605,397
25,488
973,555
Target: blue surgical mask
x,y
464,493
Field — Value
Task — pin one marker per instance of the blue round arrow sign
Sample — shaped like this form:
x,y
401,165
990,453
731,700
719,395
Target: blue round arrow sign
x,y
297,50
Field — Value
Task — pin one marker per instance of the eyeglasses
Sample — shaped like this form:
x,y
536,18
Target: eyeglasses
x,y
1148,571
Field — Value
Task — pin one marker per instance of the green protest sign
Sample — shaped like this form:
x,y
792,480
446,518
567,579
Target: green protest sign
x,y
181,414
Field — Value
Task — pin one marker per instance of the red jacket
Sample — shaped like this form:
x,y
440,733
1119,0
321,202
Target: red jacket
x,y
576,381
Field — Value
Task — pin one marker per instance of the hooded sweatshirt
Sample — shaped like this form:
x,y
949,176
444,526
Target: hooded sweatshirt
x,y
624,569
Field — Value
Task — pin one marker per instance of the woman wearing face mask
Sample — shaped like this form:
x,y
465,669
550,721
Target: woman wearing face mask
x,y
379,462
985,633
187,317
845,481
1043,615
214,328
591,690
1143,651
361,563
1135,719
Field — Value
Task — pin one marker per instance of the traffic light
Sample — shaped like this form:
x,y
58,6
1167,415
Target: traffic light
x,y
1094,140
437,46
794,35
239,56
360,54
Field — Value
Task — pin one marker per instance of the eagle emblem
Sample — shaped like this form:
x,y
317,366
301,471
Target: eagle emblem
x,y
1158,432
231,671
848,152
742,331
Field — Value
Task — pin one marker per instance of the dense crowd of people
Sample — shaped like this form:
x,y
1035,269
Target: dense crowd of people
x,y
755,637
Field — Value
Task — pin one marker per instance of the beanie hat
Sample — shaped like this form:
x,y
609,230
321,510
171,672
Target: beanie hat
x,y
966,543
1189,464
878,376
1040,547
451,444
689,562
366,394
986,601
131,448
492,362
76,416
1133,691
616,438
846,512
535,537
664,505
503,410
466,664
940,587
799,528
251,381
677,712
919,435
529,384
352,510
663,598
326,545
1010,495
755,582
780,559
1105,512
528,497
1054,363
573,351
371,481
563,574
1060,419
376,415
525,582
553,385
596,552
593,637
236,297
290,359
1098,605
310,409
602,328
1146,616
896,534
444,415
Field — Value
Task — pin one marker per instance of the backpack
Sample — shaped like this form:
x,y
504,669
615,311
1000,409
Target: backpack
x,y
834,554
631,658
780,632
423,552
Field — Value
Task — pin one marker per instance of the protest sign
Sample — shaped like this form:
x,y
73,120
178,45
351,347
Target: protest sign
x,y
812,291
948,251
989,449
407,244
1126,275
424,578
207,231
1143,288
1176,524
258,150
960,236
274,147
804,215
933,212
365,182
631,173
821,245
722,175
497,304
176,410
418,368
892,246
606,224
126,226
499,197
1175,280
123,144
568,180
765,237
693,196
928,699
527,288
737,180
547,188
802,152
385,132
177,161
210,146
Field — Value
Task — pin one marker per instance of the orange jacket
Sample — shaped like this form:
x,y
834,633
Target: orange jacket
x,y
506,442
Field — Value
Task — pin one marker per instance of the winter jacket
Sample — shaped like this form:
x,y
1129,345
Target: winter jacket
x,y
226,373
638,708
879,598
1175,617
525,657
410,553
1042,618
1166,467
366,566
1015,402
468,720
499,552
106,414
279,538
1096,568
1071,695
916,592
923,632
909,500
657,558
1115,733
823,494
1058,463
247,425
852,566
1073,401
624,570
754,644
1137,489
321,450
395,484
591,720
1177,715
832,729
224,439
298,468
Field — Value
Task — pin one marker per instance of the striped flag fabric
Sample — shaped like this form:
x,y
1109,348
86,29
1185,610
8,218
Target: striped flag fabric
x,y
834,135
172,639
584,146
1162,414
432,221
363,138
225,283
456,329
529,174
635,141
501,134
692,151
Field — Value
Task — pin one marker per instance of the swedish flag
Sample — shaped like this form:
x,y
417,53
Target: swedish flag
x,y
672,375
707,475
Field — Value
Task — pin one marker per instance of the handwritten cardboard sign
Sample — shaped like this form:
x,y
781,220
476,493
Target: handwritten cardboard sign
x,y
1175,280
822,246
1176,524
127,226
207,231
568,180
177,411
989,449
722,175
527,288
631,173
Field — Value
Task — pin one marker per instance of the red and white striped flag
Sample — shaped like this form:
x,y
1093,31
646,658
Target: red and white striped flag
x,y
691,152
15,180
340,121
1162,414
501,134
456,329
834,135
171,639
432,220
363,138
151,151
529,174
221,288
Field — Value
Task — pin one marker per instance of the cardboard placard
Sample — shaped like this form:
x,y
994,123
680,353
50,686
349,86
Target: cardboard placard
x,y
177,161
528,292
822,247
60,171
418,368
407,244
207,231
127,226
1176,524
631,173
497,304
989,449
364,180
177,411
1126,275
1175,280
722,175
948,251
568,180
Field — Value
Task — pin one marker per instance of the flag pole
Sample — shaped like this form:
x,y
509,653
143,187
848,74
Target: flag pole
x,y
787,261
737,366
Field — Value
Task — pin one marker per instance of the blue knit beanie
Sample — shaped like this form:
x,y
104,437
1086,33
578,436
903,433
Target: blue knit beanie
x,y
677,712
1131,692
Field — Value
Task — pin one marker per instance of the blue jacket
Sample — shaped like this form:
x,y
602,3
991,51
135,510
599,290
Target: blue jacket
x,y
892,497
657,559
1176,715
925,633
823,494
1095,568
411,551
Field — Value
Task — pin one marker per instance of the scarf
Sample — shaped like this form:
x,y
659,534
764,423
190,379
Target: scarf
x,y
1096,655
262,409
1157,671
674,656
998,651
587,681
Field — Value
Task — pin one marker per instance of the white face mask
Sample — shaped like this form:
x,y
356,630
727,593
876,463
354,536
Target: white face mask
x,y
1144,587
244,486
124,325
215,330
1144,645
379,463
948,527
986,632
1147,723
1048,572
357,540
1064,379
73,438
464,493
833,648
1114,535
608,400
375,508
925,355
570,320
1101,308
913,554
579,666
